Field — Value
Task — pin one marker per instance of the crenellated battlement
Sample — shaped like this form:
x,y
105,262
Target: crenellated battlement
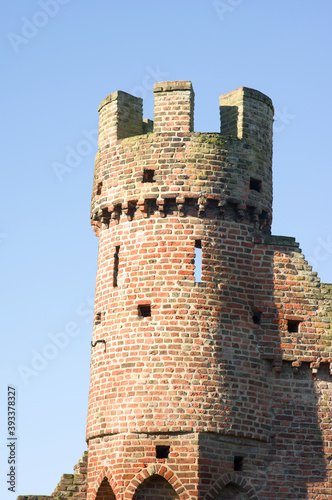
x,y
121,115
143,167
174,107
244,113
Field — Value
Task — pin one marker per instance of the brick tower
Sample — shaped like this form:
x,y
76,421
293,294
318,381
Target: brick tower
x,y
210,379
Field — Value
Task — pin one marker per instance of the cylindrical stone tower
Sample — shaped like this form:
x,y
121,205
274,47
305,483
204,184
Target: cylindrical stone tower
x,y
179,396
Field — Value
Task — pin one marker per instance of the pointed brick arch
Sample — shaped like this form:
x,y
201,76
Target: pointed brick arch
x,y
226,479
160,470
105,491
106,474
155,487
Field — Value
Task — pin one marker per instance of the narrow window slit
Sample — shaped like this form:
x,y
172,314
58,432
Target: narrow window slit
x,y
144,310
116,266
198,261
99,186
162,451
238,463
98,318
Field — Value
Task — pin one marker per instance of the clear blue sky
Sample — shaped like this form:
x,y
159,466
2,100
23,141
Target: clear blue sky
x,y
59,60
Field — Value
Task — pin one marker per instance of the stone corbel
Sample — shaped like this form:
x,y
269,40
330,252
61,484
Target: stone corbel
x,y
126,210
142,207
314,369
161,207
241,210
115,212
180,203
222,207
201,206
129,208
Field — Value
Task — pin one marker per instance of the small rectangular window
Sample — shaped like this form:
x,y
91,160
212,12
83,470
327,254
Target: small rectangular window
x,y
238,463
293,325
198,261
148,175
255,184
116,266
162,451
144,310
256,317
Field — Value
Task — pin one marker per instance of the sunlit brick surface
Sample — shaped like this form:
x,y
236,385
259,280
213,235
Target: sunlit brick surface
x,y
208,368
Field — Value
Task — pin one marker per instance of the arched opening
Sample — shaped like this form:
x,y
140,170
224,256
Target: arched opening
x,y
233,492
105,492
155,488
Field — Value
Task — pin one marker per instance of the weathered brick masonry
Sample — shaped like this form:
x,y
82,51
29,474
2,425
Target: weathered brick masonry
x,y
231,373
216,387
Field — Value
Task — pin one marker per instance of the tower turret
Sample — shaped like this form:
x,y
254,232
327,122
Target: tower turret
x,y
181,365
248,115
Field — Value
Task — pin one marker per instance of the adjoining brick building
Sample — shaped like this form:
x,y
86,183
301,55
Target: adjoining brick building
x,y
212,383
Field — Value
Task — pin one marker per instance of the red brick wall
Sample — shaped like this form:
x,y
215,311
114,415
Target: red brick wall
x,y
200,375
156,488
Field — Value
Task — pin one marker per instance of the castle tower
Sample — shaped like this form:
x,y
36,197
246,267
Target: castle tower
x,y
208,375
